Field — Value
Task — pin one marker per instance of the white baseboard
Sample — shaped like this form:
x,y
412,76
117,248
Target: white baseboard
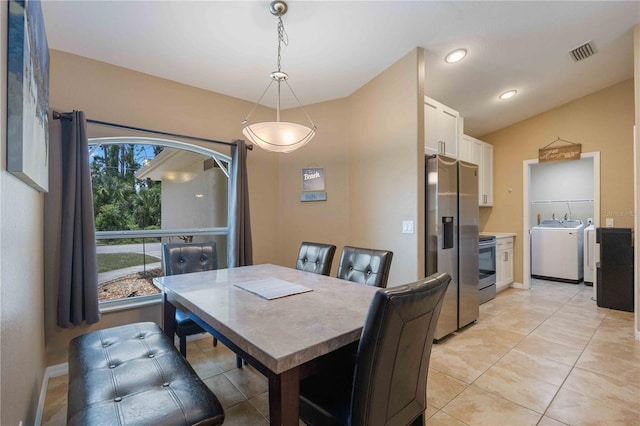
x,y
503,287
49,372
58,370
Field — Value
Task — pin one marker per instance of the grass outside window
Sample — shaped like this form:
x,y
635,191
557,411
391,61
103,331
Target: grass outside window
x,y
113,261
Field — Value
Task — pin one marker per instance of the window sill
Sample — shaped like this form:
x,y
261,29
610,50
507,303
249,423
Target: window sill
x,y
130,303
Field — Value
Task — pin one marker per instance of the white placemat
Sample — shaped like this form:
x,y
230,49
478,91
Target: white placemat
x,y
273,288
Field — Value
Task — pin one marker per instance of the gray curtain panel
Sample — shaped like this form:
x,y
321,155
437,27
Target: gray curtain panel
x,y
78,286
240,247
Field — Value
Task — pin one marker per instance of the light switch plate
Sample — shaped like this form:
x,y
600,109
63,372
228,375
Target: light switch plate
x,y
407,227
609,222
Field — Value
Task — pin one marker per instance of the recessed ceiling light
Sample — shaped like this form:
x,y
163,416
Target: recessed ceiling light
x,y
455,56
508,94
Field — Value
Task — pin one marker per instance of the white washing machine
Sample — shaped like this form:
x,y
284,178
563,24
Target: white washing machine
x,y
557,251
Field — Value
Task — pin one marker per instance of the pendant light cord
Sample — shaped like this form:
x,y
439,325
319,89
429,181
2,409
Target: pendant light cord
x,y
283,38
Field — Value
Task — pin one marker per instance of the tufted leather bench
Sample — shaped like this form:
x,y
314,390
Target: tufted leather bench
x,y
133,375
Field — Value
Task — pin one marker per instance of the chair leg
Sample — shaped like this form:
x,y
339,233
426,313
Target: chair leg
x,y
183,346
215,342
419,421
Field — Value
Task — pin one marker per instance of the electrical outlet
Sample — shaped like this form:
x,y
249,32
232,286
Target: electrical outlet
x,y
609,222
407,227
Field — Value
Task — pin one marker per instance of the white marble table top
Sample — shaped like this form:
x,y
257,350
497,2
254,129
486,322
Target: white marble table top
x,y
280,333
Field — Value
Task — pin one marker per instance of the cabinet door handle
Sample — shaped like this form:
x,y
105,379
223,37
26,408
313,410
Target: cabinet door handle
x,y
506,256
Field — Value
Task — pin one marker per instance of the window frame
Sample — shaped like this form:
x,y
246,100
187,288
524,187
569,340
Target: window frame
x,y
223,161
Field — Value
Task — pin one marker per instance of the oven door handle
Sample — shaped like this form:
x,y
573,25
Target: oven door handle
x,y
487,245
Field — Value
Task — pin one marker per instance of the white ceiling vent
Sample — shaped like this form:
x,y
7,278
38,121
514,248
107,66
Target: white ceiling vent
x,y
583,52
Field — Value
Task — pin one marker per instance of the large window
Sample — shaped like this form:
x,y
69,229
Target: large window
x,y
146,192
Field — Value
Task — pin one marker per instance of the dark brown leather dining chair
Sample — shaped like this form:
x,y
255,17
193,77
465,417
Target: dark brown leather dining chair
x,y
315,257
184,258
365,266
386,383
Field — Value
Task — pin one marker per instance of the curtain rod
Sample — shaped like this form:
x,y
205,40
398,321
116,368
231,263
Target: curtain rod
x,y
66,115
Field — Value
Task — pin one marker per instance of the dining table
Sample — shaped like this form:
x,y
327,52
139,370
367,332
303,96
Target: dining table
x,y
280,320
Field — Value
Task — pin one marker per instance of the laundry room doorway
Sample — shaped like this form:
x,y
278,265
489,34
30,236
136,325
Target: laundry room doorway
x,y
558,191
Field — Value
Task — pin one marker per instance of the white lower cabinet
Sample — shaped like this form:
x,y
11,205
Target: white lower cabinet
x,y
504,262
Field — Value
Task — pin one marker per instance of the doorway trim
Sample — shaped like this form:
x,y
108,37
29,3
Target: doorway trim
x,y
526,241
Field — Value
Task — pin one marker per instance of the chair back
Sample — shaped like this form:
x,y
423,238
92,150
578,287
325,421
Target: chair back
x,y
390,380
315,257
365,266
183,258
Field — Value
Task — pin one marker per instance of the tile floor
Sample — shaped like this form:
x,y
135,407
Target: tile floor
x,y
547,356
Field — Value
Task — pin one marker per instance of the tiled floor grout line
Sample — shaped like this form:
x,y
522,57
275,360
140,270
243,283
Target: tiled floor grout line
x,y
573,366
577,308
509,351
476,379
246,398
506,353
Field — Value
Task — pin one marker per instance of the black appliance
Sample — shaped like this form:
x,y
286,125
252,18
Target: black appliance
x,y
615,269
487,267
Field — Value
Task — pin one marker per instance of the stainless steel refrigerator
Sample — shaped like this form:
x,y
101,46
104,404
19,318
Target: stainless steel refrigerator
x,y
451,225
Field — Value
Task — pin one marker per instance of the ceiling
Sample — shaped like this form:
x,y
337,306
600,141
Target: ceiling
x,y
335,47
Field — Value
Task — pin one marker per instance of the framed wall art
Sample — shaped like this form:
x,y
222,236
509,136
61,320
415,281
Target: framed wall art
x,y
28,94
313,188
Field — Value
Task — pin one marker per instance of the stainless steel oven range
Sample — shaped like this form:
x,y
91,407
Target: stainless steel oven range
x,y
487,266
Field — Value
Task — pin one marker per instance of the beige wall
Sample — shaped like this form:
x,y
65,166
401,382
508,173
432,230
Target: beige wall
x,y
356,156
602,121
369,146
22,348
109,93
386,165
318,221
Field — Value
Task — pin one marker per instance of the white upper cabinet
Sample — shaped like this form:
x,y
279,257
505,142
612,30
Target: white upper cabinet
x,y
442,129
478,152
470,149
486,176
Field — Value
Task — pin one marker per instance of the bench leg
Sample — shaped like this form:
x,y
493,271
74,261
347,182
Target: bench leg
x,y
215,342
183,346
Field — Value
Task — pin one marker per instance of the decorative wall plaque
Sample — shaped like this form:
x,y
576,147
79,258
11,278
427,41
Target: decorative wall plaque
x,y
568,152
313,188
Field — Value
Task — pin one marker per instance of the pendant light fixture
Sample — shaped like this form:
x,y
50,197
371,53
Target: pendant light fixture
x,y
279,136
